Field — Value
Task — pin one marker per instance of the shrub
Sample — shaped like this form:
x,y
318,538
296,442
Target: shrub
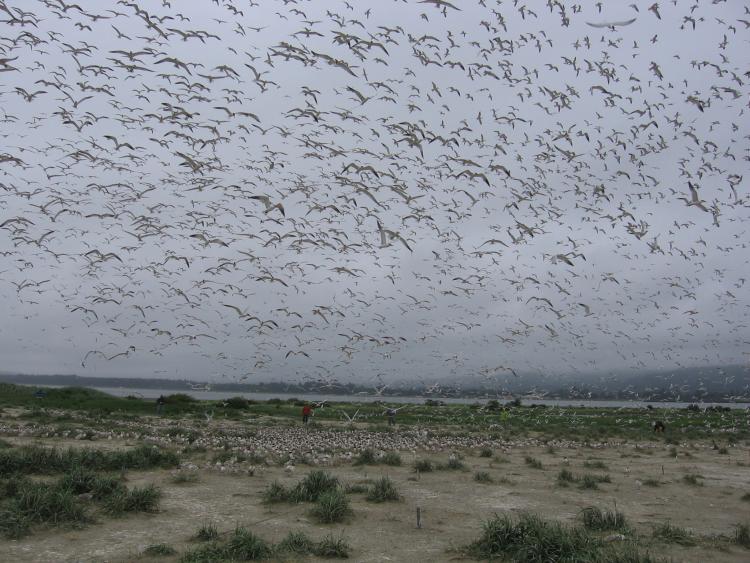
x,y
485,452
454,463
275,492
673,534
392,458
179,398
602,520
588,482
423,466
160,549
184,477
693,480
331,548
531,539
742,535
236,403
533,462
355,488
482,477
652,482
243,545
138,499
332,506
296,542
207,532
565,476
383,490
366,457
595,465
313,486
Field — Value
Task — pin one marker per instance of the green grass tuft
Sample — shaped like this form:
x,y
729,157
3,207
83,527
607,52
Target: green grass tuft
x,y
673,534
160,550
533,462
332,507
603,520
383,490
482,477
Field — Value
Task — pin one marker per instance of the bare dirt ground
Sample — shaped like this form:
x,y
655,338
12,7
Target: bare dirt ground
x,y
453,505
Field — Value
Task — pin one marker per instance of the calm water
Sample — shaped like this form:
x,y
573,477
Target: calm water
x,y
218,395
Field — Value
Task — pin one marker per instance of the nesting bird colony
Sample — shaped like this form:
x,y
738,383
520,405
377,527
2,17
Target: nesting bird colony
x,y
336,191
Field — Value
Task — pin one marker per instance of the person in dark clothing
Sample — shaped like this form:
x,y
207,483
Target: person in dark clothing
x,y
160,402
306,412
391,414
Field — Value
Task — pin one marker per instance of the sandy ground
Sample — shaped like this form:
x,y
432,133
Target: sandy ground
x,y
453,505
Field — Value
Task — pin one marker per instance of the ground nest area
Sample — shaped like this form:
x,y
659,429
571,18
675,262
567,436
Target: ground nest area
x,y
77,487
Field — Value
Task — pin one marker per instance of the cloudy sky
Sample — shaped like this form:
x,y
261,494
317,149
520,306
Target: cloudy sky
x,y
372,191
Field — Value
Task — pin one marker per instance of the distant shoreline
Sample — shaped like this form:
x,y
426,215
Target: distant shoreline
x,y
404,399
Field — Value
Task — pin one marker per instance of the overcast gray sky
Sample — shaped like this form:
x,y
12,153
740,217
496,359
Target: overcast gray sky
x,y
525,169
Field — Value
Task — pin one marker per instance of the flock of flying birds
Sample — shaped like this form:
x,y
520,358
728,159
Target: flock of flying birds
x,y
348,191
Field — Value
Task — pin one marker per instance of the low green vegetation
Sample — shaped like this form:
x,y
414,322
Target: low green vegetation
x,y
668,533
383,490
72,500
160,550
309,489
742,535
29,460
573,422
586,481
392,459
331,507
533,462
530,539
482,477
598,520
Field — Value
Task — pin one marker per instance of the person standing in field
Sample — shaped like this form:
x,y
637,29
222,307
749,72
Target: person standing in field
x,y
160,404
306,412
391,414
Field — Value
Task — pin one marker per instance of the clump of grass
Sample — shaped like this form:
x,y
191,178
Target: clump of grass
x,y
137,499
332,507
366,457
332,548
745,497
742,535
723,451
207,532
550,449
392,458
296,542
693,479
500,459
533,462
184,477
565,477
673,534
423,466
652,482
531,539
160,550
356,488
595,465
485,452
36,460
41,503
603,520
313,486
454,463
588,482
482,477
383,490
275,492
243,545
